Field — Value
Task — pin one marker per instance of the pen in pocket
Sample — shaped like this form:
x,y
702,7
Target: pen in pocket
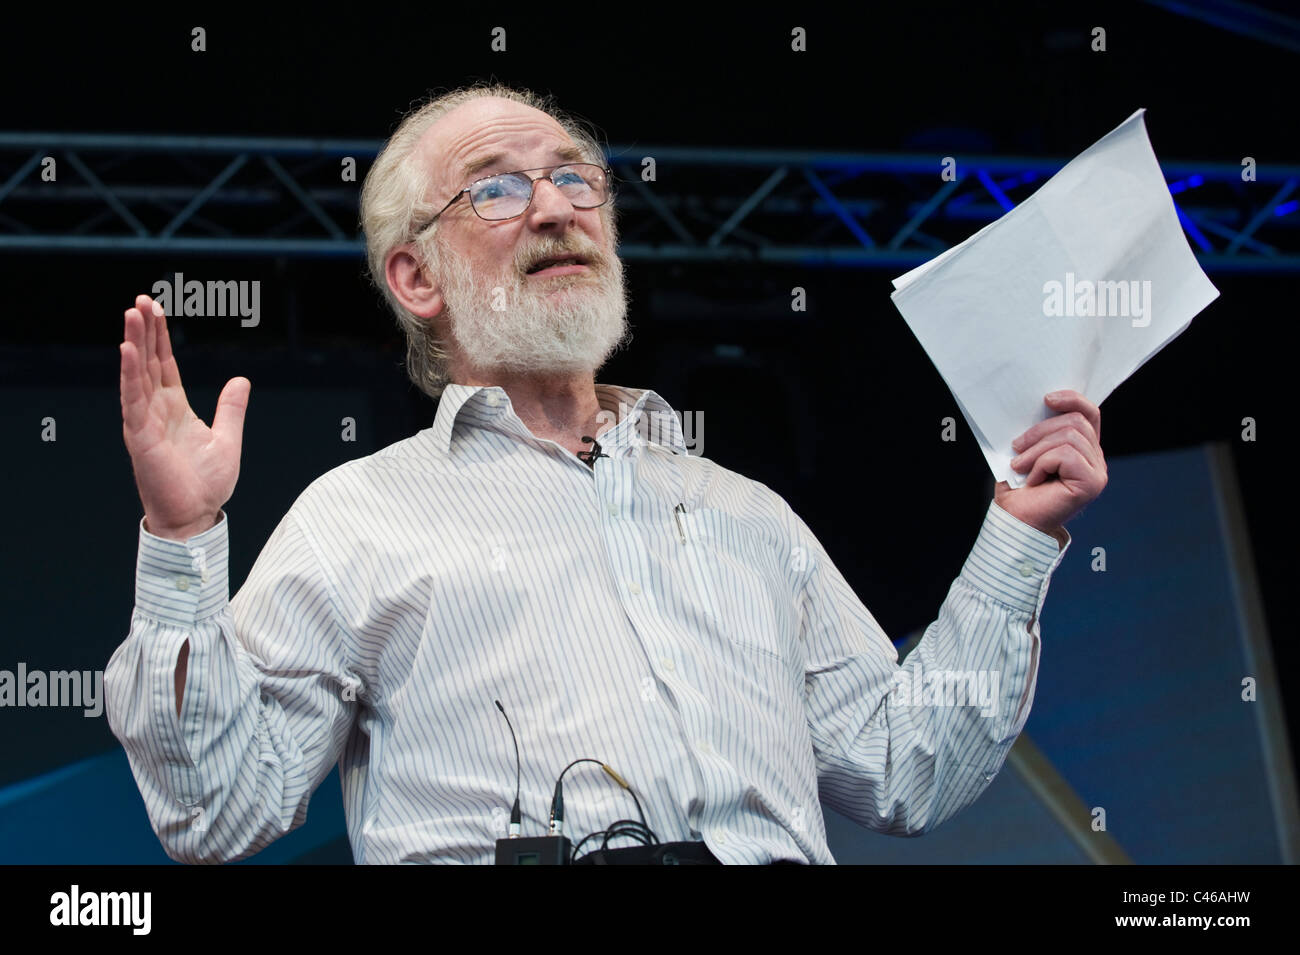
x,y
678,511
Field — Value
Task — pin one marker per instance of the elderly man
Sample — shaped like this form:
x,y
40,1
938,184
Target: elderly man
x,y
626,603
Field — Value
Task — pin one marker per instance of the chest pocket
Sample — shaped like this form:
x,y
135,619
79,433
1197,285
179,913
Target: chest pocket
x,y
734,581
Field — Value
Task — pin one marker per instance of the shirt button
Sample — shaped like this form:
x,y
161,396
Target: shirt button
x,y
493,400
668,664
1027,568
721,838
634,587
182,583
704,746
612,509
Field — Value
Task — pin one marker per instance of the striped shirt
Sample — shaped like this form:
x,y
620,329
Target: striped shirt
x,y
711,654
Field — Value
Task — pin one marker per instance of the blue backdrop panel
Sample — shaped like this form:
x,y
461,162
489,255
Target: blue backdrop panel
x,y
1139,701
90,813
66,792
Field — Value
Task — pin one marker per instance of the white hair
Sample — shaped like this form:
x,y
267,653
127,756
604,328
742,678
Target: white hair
x,y
394,200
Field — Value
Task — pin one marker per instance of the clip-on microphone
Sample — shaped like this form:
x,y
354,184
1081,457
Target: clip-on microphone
x,y
589,457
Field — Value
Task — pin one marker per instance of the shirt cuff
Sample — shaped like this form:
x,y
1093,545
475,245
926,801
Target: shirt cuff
x,y
181,582
1012,562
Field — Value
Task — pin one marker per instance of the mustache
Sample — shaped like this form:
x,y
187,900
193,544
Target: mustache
x,y
595,257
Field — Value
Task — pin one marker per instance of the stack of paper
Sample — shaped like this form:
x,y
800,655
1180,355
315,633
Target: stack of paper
x,y
1076,287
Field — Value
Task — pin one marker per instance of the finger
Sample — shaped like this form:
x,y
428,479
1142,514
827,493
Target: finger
x,y
1070,400
150,354
135,404
1055,439
1066,462
136,336
228,421
170,371
1073,419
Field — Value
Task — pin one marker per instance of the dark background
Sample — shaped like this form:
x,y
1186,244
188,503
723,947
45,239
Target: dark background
x,y
836,409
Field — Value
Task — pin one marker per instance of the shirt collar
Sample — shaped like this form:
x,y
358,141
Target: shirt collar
x,y
477,405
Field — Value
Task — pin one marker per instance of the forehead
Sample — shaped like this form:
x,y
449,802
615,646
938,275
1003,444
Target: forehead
x,y
487,127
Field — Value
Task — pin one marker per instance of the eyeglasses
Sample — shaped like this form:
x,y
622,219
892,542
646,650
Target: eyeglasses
x,y
509,194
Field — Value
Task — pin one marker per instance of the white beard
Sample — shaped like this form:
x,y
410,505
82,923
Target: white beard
x,y
560,324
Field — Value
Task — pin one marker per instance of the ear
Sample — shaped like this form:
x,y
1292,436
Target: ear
x,y
411,282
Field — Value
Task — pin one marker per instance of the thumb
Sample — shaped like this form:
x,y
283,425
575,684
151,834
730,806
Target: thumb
x,y
228,422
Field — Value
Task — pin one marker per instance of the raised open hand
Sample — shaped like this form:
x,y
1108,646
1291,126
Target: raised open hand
x,y
184,470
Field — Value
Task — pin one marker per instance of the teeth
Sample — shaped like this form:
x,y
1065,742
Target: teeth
x,y
548,263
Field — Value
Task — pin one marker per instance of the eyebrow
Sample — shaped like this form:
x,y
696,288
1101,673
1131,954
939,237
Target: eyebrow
x,y
563,154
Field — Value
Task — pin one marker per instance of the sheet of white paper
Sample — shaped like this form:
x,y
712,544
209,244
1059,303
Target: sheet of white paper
x,y
1076,287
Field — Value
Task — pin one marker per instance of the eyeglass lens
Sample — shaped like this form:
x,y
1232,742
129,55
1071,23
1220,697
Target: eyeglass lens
x,y
508,195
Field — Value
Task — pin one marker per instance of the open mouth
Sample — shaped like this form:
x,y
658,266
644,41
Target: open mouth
x,y
559,265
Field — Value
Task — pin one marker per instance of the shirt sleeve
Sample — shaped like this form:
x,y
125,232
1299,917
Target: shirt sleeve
x,y
901,749
270,696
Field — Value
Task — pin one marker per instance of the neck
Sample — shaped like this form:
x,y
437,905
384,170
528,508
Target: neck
x,y
560,407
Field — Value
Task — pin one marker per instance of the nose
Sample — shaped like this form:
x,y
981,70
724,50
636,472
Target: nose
x,y
549,210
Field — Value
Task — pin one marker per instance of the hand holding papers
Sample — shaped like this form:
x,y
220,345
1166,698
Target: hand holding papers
x,y
1075,288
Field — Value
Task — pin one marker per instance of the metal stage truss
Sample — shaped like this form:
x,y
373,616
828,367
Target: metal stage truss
x,y
254,197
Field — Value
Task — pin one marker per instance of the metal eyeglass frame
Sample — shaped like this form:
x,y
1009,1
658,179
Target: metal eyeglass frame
x,y
532,191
